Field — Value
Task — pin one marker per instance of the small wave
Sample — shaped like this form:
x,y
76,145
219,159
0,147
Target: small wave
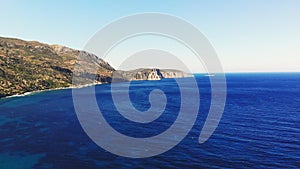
x,y
210,75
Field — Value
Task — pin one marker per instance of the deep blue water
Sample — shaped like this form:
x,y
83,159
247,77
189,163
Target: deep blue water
x,y
260,127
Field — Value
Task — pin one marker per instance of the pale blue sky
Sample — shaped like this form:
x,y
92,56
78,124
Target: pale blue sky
x,y
247,35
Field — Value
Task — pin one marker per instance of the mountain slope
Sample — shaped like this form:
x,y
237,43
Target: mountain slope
x,y
29,66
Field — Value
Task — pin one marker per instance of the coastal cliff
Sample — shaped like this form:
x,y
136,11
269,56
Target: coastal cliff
x,y
149,74
27,66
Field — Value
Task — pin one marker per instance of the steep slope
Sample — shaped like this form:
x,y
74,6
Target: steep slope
x,y
29,66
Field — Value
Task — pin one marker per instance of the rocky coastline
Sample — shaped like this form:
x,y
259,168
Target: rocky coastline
x,y
29,66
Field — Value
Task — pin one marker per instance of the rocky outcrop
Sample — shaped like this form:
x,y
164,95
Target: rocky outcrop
x,y
148,74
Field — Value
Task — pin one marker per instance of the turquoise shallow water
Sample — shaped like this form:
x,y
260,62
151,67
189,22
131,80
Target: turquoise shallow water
x,y
260,127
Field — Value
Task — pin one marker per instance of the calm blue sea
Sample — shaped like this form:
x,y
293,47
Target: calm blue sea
x,y
260,127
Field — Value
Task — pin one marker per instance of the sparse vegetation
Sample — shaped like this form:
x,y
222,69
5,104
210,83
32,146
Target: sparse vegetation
x,y
30,66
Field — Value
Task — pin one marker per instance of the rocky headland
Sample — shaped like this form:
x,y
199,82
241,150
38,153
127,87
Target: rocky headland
x,y
149,74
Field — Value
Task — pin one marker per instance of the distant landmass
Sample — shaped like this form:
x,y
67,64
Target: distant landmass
x,y
149,74
27,66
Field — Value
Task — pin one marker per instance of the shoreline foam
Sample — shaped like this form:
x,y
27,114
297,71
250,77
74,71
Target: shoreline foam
x,y
47,90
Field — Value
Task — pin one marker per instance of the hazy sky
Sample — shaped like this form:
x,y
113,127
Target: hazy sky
x,y
248,35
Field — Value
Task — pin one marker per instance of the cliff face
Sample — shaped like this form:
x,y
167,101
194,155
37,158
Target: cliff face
x,y
149,74
27,66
